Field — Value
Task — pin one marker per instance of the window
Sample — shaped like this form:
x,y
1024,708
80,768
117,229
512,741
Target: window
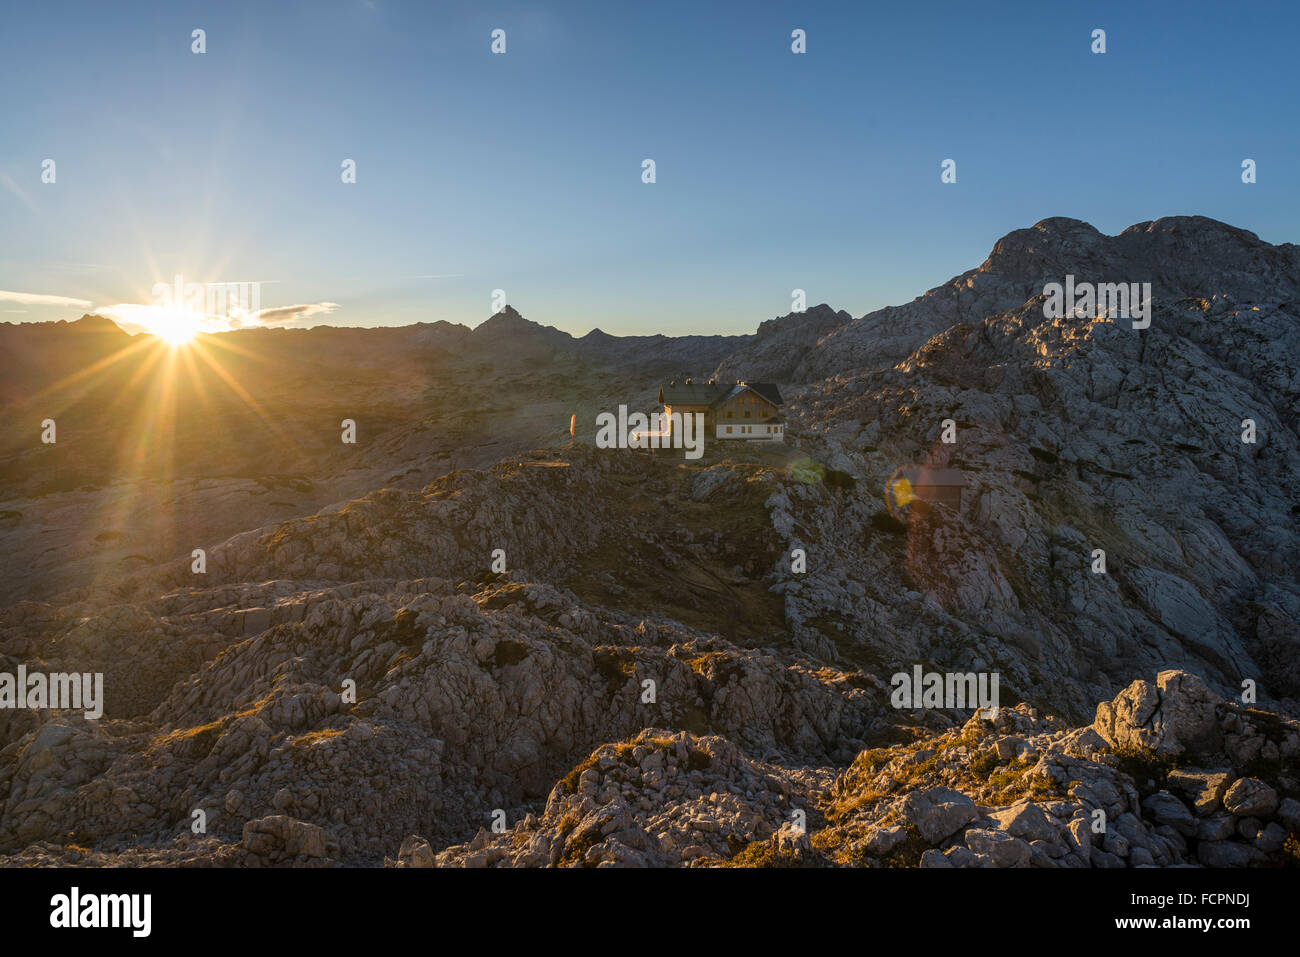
x,y
728,430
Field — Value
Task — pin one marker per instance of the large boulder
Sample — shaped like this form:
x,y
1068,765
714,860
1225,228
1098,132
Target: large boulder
x,y
1250,797
1204,787
1176,715
1026,820
938,813
1164,808
998,848
415,852
281,838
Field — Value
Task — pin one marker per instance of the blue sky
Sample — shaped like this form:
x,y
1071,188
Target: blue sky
x,y
522,171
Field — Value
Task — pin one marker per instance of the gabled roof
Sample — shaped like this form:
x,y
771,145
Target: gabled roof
x,y
767,390
690,393
713,393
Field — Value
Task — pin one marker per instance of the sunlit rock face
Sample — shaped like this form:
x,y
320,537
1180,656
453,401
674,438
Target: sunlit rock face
x,y
464,641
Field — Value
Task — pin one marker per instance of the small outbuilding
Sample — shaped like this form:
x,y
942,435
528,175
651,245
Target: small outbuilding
x,y
930,485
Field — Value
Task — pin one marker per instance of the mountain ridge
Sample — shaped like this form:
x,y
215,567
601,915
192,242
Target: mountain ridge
x,y
1122,557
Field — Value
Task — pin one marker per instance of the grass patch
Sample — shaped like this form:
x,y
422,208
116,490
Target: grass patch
x,y
196,742
908,852
312,738
1149,770
1005,778
767,854
983,764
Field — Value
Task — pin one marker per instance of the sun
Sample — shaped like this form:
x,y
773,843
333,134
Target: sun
x,y
176,327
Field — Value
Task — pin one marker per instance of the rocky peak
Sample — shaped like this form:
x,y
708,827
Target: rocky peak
x,y
507,334
1044,246
95,323
771,353
508,320
1181,256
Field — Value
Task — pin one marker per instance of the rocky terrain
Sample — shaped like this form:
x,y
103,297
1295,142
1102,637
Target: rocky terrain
x,y
426,399
1165,776
465,642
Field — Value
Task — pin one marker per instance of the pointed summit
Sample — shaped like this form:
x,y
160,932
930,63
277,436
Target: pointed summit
x,y
506,320
509,333
93,322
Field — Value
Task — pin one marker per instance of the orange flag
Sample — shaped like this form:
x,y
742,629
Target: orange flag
x,y
572,421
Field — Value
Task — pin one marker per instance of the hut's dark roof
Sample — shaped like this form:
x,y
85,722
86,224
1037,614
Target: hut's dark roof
x,y
714,393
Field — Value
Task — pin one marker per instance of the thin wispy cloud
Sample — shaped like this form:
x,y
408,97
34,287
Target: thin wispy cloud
x,y
7,181
287,315
41,299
